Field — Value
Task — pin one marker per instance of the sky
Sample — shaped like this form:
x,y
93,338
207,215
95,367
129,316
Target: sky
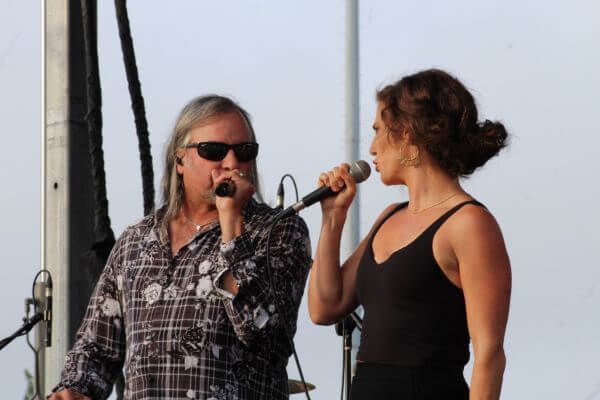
x,y
530,64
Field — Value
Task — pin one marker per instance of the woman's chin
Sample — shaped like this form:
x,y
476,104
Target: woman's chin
x,y
391,180
385,180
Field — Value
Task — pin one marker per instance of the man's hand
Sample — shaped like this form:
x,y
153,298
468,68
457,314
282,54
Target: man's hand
x,y
230,208
243,190
68,394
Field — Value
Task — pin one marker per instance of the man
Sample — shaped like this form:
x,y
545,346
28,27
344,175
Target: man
x,y
185,304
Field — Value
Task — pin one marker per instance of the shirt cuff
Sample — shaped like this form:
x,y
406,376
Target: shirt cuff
x,y
236,249
219,289
231,253
79,387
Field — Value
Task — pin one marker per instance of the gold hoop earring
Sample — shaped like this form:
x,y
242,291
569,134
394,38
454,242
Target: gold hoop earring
x,y
409,161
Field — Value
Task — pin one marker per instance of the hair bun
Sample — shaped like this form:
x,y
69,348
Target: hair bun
x,y
486,141
492,136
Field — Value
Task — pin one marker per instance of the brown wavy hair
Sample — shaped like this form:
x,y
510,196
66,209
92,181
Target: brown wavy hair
x,y
441,116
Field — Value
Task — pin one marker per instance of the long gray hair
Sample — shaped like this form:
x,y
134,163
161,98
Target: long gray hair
x,y
197,111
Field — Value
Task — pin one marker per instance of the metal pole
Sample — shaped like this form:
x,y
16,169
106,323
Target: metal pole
x,y
40,332
351,229
67,207
43,140
54,179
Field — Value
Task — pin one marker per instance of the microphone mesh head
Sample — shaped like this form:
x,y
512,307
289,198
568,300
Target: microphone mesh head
x,y
360,170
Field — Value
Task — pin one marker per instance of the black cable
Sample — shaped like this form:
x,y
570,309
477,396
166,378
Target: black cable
x,y
35,278
137,104
280,307
141,124
280,187
104,238
103,235
293,182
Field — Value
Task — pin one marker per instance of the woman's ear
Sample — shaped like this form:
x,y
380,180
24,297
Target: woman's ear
x,y
399,139
406,136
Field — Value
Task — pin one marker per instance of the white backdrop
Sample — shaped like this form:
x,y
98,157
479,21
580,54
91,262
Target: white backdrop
x,y
532,64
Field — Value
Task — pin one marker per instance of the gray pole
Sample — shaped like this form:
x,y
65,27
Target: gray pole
x,y
351,229
67,207
39,373
351,236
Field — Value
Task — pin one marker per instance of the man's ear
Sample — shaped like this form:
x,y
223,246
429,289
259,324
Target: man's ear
x,y
179,153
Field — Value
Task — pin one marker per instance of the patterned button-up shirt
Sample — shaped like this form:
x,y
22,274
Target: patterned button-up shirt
x,y
165,320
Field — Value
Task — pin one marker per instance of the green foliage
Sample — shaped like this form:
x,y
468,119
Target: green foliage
x,y
30,390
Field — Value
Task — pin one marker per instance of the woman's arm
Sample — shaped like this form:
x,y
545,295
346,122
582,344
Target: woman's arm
x,y
485,278
331,288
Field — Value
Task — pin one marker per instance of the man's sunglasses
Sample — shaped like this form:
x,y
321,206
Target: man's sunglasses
x,y
216,151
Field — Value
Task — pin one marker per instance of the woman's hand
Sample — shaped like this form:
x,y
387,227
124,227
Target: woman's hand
x,y
342,184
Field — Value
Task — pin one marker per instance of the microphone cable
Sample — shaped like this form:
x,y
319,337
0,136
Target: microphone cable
x,y
280,197
279,305
280,191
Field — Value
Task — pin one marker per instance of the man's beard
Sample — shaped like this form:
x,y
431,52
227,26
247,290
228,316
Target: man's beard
x,y
209,196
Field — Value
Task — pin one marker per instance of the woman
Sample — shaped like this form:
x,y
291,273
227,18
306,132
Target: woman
x,y
433,272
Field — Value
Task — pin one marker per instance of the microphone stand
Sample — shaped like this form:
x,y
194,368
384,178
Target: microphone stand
x,y
344,328
28,324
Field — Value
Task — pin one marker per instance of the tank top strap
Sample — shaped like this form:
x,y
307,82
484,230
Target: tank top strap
x,y
444,217
394,210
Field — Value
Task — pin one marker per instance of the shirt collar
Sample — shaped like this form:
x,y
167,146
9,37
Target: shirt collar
x,y
247,213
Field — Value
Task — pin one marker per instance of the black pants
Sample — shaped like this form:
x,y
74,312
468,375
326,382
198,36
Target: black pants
x,y
391,382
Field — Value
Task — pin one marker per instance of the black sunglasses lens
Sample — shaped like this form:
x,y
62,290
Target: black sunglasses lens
x,y
213,151
246,151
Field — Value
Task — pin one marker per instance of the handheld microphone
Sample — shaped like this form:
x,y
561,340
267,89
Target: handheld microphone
x,y
225,189
48,311
359,170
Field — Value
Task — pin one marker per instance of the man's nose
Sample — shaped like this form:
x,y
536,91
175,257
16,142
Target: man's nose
x,y
230,161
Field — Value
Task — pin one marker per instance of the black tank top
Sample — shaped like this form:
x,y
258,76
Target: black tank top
x,y
413,315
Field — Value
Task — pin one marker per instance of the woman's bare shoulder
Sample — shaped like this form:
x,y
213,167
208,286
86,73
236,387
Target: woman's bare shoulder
x,y
475,222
